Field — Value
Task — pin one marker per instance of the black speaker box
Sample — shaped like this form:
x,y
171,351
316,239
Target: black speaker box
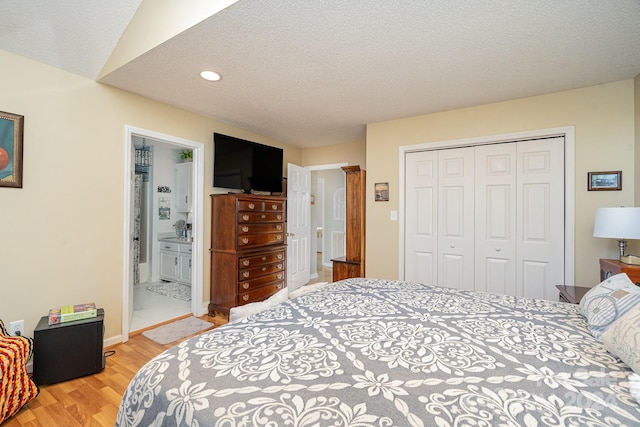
x,y
68,350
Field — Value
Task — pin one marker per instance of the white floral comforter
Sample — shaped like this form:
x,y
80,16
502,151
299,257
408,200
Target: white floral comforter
x,y
365,352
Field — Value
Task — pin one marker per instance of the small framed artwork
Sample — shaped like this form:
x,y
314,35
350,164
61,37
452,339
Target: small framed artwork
x,y
604,181
164,208
382,191
11,131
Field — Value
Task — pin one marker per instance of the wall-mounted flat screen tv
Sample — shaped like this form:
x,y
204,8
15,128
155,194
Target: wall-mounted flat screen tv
x,y
239,164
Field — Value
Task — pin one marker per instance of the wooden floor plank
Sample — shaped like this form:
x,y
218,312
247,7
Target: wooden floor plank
x,y
92,401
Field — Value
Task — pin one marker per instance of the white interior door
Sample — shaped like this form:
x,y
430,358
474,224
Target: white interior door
x,y
456,218
495,212
421,252
540,217
298,226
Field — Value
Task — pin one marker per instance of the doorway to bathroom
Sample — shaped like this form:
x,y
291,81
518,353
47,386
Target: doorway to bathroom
x,y
163,209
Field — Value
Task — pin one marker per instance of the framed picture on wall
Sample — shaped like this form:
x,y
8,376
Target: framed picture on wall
x,y
604,181
11,131
381,192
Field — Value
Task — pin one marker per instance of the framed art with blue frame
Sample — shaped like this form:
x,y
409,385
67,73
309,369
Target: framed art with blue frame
x,y
11,133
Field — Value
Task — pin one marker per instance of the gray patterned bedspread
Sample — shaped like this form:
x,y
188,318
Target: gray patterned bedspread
x,y
365,352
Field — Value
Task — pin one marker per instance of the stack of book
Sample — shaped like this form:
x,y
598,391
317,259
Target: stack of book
x,y
70,313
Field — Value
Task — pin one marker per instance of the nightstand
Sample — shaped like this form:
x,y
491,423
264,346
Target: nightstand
x,y
610,267
571,294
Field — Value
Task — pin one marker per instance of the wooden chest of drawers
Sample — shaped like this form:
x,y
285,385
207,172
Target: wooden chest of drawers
x,y
248,251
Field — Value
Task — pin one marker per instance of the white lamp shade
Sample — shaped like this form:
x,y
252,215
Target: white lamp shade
x,y
617,223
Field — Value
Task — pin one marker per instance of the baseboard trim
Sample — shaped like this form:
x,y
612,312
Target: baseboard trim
x,y
112,341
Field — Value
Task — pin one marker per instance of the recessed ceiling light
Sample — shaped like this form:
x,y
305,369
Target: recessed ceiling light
x,y
210,75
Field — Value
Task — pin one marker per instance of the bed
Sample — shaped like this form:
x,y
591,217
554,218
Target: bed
x,y
367,352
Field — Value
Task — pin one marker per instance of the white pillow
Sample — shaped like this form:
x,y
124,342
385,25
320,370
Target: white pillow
x,y
622,339
634,386
256,307
303,290
607,302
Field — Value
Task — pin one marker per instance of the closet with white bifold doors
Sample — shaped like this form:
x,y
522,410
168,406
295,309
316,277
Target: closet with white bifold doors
x,y
487,217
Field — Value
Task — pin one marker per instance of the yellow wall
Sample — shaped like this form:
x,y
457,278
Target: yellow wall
x,y
62,232
603,117
353,153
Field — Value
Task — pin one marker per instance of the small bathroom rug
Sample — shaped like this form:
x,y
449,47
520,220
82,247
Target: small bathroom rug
x,y
177,330
172,289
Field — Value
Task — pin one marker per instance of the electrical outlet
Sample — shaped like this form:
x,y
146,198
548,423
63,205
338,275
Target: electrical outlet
x,y
17,327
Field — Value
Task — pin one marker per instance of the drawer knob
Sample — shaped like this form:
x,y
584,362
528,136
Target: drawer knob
x,y
252,206
279,216
274,207
245,297
278,227
246,262
279,285
279,266
245,228
264,258
279,256
278,236
264,268
245,274
245,240
279,276
263,216
245,217
245,286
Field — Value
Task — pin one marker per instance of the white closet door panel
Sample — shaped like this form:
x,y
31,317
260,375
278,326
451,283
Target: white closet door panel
x,y
536,215
421,242
456,218
452,272
535,273
540,216
423,264
453,222
498,276
495,226
425,218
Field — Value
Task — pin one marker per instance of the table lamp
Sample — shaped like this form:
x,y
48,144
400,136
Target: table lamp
x,y
621,223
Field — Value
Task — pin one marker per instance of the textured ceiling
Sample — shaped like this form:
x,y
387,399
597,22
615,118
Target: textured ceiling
x,y
74,35
315,72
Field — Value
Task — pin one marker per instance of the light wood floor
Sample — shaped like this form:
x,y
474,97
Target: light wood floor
x,y
93,400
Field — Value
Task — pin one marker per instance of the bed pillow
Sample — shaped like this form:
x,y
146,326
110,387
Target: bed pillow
x,y
305,289
634,386
622,339
607,302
